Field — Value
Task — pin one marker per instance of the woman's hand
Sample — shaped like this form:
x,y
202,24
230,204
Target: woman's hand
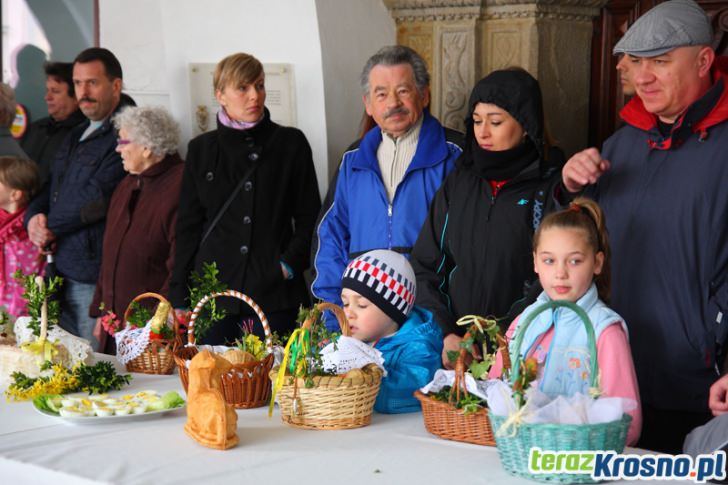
x,y
452,343
100,334
449,344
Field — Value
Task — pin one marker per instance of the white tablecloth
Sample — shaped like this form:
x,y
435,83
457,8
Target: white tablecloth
x,y
394,449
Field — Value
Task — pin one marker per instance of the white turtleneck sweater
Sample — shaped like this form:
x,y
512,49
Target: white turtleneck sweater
x,y
394,156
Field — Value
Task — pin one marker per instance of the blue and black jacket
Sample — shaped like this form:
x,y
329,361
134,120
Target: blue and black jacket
x,y
357,215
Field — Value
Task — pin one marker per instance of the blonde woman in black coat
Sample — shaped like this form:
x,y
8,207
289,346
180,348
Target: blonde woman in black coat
x,y
261,241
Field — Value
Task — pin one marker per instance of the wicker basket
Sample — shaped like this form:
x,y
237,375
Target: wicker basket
x,y
514,448
246,385
332,402
445,420
158,356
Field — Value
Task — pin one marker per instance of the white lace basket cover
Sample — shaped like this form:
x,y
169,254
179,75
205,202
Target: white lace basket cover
x,y
349,353
131,342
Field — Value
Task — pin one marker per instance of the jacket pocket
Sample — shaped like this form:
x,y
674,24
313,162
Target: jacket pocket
x,y
263,275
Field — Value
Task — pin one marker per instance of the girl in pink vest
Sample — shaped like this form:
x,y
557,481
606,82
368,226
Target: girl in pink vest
x,y
571,257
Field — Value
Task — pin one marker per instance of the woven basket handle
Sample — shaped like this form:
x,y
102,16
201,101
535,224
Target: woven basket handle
x,y
338,313
240,296
143,296
553,305
459,383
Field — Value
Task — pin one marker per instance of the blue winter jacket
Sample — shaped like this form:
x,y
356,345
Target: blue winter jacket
x,y
666,206
411,357
83,176
357,215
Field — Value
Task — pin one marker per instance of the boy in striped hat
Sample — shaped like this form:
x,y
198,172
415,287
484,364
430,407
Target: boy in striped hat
x,y
378,294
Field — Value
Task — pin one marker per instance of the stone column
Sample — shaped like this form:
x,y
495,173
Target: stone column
x,y
463,40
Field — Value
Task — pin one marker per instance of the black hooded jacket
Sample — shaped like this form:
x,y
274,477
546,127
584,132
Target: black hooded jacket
x,y
474,253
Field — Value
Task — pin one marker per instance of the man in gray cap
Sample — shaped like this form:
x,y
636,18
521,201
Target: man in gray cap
x,y
661,180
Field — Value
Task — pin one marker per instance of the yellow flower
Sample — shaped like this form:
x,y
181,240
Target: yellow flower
x,y
255,346
61,381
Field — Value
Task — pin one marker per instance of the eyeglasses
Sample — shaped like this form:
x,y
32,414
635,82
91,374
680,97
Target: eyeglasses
x,y
121,141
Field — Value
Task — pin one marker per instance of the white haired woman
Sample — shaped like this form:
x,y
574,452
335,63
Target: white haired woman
x,y
138,248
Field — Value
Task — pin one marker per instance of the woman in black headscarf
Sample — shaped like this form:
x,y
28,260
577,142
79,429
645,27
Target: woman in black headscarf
x,y
474,255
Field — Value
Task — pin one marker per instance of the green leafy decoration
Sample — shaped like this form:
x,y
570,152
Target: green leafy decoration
x,y
469,404
479,370
483,336
100,378
34,296
201,286
94,379
139,315
319,336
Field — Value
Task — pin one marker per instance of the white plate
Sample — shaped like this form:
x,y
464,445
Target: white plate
x,y
108,419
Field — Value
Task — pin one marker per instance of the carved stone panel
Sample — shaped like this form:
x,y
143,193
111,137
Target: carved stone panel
x,y
419,36
456,73
463,40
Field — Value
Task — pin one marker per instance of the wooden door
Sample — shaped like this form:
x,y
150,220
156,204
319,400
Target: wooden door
x,y
606,98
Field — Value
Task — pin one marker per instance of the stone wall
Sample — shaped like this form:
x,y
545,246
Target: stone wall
x,y
463,40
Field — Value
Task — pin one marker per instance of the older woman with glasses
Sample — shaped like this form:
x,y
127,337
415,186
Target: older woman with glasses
x,y
138,247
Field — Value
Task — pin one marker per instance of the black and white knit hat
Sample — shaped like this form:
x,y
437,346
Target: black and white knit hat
x,y
386,279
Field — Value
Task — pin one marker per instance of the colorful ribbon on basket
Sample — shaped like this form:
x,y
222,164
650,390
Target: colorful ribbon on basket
x,y
297,347
509,428
42,347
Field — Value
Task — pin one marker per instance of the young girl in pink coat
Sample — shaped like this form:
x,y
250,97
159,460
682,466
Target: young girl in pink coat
x,y
571,257
18,183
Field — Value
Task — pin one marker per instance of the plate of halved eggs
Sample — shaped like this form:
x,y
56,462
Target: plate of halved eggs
x,y
105,408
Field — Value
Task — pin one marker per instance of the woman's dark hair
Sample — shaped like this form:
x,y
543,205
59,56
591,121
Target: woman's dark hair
x,y
61,72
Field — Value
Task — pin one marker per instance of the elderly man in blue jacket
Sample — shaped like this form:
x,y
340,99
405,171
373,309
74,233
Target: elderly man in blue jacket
x,y
661,180
385,183
68,216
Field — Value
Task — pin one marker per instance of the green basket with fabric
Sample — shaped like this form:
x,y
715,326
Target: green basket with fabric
x,y
514,441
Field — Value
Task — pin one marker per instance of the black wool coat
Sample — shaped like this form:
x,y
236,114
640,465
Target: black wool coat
x,y
270,220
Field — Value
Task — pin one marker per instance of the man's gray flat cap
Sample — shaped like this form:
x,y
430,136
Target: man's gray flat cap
x,y
676,23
